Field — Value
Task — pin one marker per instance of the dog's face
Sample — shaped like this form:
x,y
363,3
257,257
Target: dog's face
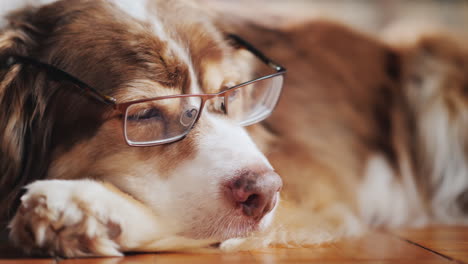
x,y
215,182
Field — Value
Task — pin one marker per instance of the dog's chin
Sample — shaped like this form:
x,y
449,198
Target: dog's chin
x,y
225,228
232,224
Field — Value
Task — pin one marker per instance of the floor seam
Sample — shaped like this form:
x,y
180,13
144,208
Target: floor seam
x,y
430,250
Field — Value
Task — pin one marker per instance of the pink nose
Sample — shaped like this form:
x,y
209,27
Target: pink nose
x,y
255,192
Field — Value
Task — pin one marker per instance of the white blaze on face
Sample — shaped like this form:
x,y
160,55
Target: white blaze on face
x,y
146,11
194,197
191,196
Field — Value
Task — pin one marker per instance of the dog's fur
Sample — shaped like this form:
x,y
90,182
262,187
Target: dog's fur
x,y
365,134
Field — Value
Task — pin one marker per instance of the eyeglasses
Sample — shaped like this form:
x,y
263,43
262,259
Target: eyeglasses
x,y
166,119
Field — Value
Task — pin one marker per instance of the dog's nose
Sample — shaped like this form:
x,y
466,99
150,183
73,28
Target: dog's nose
x,y
255,192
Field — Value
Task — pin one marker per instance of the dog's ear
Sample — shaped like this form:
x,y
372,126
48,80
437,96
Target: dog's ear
x,y
38,109
27,116
20,110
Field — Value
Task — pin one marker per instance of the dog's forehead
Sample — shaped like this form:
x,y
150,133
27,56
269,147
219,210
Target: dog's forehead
x,y
188,36
136,49
171,65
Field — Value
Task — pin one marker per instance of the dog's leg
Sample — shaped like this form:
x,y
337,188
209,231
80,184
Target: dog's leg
x,y
73,218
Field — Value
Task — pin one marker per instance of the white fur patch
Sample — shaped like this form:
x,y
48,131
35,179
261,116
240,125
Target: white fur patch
x,y
385,200
192,196
223,150
381,197
137,9
446,158
441,140
86,208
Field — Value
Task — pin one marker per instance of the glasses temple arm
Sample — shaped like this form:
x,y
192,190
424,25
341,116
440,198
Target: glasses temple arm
x,y
14,59
257,53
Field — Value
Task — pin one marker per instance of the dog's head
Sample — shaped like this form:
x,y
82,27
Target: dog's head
x,y
212,183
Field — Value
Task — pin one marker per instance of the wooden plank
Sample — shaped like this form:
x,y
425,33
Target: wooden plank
x,y
451,241
373,248
168,258
27,261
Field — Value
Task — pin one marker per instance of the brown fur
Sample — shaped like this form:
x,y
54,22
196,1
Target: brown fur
x,y
42,132
331,66
345,100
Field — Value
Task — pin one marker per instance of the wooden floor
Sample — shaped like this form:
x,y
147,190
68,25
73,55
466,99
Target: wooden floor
x,y
429,245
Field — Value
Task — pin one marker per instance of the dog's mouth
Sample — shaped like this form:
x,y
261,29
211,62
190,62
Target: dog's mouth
x,y
245,205
224,228
230,224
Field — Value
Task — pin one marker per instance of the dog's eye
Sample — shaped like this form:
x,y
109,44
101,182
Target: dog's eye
x,y
146,114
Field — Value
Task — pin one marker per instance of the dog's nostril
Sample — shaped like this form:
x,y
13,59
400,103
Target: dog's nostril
x,y
251,204
251,200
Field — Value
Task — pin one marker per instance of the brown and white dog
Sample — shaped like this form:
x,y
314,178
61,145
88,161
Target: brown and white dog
x,y
364,135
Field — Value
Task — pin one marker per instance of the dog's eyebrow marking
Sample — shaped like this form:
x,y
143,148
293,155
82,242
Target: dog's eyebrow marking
x,y
143,88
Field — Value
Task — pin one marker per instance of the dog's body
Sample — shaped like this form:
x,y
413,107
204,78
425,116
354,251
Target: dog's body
x,y
365,134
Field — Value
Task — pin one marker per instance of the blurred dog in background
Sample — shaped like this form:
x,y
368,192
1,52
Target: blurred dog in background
x,y
366,134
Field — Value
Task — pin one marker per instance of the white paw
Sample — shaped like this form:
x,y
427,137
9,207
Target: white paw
x,y
67,218
232,245
245,243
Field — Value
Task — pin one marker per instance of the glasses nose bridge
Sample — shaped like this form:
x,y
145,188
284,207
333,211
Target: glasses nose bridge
x,y
215,95
208,97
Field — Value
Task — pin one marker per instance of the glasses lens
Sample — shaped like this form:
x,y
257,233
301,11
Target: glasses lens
x,y
254,102
161,121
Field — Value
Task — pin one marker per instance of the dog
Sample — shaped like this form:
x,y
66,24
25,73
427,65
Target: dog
x,y
124,128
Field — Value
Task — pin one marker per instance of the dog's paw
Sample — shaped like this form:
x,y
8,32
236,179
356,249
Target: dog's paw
x,y
67,218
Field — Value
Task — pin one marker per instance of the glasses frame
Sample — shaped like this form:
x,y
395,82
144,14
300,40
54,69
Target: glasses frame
x,y
122,107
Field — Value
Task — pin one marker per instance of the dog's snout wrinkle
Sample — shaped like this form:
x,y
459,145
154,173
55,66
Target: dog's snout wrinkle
x,y
255,192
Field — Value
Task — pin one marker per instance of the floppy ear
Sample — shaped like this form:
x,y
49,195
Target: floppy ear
x,y
38,109
21,112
